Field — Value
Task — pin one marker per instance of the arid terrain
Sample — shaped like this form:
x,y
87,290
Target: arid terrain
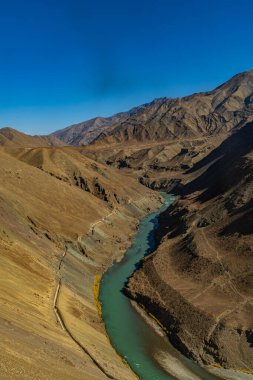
x,y
64,219
69,209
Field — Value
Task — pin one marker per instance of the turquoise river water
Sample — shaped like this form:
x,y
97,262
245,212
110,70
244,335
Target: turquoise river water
x,y
131,336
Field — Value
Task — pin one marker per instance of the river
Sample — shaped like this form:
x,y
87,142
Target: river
x,y
131,336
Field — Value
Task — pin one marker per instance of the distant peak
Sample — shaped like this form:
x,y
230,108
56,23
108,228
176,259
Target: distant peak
x,y
7,129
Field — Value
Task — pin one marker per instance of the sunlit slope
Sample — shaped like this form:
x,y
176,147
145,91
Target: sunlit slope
x,y
56,235
72,167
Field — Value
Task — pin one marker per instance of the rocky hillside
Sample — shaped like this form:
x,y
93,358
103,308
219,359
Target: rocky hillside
x,y
203,114
199,283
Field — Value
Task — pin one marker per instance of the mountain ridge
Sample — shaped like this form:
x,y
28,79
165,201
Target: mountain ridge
x,y
162,116
83,133
220,110
12,137
202,113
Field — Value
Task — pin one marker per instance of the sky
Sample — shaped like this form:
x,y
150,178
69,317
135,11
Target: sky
x,y
63,62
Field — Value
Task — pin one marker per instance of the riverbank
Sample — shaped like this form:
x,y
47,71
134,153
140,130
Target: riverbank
x,y
174,366
190,285
168,360
117,311
96,287
131,336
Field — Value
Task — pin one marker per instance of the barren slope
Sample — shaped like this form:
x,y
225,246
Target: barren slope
x,y
56,238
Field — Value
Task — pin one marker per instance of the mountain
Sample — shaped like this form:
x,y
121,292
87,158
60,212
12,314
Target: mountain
x,y
166,119
167,137
85,132
202,114
12,137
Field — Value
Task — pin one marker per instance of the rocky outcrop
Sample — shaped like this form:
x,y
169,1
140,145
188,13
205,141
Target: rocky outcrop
x,y
169,185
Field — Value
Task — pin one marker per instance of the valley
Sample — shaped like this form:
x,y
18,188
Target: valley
x,y
70,204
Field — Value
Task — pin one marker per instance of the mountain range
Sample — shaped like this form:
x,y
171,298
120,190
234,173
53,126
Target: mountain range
x,y
203,114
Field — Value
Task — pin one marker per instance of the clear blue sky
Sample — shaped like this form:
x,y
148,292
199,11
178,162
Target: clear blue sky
x,y
66,61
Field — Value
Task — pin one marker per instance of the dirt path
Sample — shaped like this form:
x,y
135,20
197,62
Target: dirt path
x,y
62,323
93,225
56,309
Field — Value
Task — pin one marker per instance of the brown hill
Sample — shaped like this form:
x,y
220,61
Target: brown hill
x,y
12,137
60,215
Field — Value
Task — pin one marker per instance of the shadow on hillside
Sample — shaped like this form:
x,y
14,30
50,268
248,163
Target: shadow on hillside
x,y
226,165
